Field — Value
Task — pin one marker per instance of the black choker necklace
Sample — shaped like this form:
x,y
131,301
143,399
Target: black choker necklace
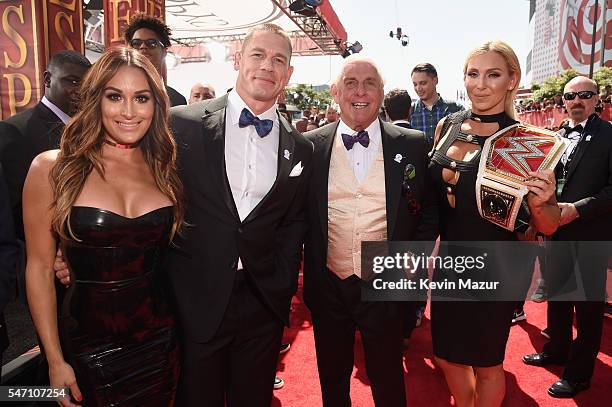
x,y
489,118
122,146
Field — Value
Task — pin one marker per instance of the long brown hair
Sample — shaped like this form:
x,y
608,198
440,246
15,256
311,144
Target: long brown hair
x,y
83,137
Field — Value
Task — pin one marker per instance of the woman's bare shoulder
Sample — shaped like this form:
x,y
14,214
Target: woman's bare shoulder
x,y
43,162
46,158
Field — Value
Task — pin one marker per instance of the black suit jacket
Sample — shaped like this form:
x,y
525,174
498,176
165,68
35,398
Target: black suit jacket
x,y
588,185
9,253
176,99
268,241
404,125
22,137
402,224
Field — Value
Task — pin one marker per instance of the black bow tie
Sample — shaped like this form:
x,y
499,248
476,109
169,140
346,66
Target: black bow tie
x,y
569,130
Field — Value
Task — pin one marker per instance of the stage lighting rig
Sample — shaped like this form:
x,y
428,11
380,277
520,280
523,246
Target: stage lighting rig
x,y
354,48
305,7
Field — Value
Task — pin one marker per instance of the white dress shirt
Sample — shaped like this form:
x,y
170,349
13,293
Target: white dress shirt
x,y
251,162
58,112
574,138
360,158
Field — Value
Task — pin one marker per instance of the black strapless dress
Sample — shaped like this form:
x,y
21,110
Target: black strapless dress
x,y
116,329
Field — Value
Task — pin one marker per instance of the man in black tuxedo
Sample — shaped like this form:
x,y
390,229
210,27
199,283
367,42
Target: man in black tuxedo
x,y
244,169
359,190
151,36
584,193
29,133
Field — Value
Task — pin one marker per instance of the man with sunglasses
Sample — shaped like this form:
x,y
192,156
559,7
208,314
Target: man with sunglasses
x,y
368,184
151,37
584,193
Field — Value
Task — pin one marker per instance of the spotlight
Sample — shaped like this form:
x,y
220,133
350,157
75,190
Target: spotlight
x,y
404,40
305,7
352,49
356,47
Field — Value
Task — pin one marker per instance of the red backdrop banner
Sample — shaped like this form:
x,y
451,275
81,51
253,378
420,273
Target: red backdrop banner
x,y
554,117
21,56
63,26
117,13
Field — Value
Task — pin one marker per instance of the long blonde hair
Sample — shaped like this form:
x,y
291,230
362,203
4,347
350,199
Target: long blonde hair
x,y
514,67
83,137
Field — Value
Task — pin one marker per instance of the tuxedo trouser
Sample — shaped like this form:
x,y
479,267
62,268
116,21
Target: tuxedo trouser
x,y
580,353
236,368
381,326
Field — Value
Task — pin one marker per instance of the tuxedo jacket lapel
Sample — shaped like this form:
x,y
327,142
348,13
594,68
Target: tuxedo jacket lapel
x,y
286,147
54,128
590,132
213,130
394,171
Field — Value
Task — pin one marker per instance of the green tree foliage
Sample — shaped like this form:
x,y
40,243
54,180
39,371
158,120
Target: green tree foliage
x,y
603,77
554,85
304,96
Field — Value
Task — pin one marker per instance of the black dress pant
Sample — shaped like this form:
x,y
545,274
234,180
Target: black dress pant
x,y
580,353
577,270
236,368
380,325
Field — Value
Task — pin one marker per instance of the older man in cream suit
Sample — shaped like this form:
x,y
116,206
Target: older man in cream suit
x,y
357,193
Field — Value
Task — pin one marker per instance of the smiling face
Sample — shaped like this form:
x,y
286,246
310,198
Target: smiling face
x,y
359,92
487,81
263,69
127,106
579,109
425,86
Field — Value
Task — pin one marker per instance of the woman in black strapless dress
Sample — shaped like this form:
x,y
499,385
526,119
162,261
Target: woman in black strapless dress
x,y
469,338
112,199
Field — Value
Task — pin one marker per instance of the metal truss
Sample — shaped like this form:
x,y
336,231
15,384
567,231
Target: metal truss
x,y
316,29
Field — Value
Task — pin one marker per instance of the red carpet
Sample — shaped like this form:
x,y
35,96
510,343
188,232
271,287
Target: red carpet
x,y
425,385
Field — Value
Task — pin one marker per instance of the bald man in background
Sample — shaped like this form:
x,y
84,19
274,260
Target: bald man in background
x,y
201,91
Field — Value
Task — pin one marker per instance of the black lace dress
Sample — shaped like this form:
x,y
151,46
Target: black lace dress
x,y
467,332
116,329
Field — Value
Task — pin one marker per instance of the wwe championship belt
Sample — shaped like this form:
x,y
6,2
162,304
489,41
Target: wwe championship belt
x,y
507,157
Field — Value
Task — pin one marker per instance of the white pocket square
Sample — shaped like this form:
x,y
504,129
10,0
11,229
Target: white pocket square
x,y
297,170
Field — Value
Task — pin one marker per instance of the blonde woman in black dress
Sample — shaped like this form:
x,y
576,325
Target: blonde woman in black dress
x,y
469,338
